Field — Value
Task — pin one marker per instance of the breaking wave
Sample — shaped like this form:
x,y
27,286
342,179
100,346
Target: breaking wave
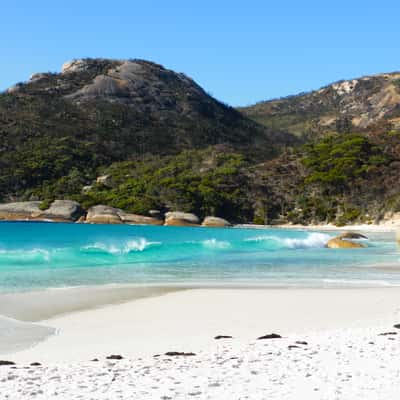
x,y
313,240
56,255
216,244
127,247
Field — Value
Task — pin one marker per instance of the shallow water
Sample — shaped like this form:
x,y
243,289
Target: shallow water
x,y
50,255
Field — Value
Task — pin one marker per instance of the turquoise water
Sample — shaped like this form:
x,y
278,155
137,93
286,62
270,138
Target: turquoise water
x,y
51,255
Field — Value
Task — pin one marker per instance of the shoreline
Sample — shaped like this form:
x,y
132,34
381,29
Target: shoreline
x,y
387,226
190,319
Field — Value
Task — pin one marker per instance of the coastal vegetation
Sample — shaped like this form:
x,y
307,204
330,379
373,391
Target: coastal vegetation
x,y
136,136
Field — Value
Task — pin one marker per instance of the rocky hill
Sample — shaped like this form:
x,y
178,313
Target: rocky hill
x,y
98,111
345,106
138,139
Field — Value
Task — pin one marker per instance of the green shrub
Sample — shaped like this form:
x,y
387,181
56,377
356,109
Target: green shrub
x,y
45,204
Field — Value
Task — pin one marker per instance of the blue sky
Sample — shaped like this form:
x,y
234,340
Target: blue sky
x,y
239,51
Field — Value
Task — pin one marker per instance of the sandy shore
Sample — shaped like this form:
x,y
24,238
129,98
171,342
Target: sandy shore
x,y
388,226
336,344
188,320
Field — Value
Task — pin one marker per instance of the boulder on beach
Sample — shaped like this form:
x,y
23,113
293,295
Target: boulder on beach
x,y
63,210
352,235
20,210
339,243
178,218
59,210
215,222
139,219
101,214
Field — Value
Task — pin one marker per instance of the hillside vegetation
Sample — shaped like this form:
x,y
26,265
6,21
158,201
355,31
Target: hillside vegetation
x,y
157,140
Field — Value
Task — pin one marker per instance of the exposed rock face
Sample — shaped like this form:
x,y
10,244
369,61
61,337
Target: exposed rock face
x,y
59,210
77,65
104,180
37,76
101,214
178,218
215,222
339,243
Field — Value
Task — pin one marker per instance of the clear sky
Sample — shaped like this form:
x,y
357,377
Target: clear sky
x,y
239,51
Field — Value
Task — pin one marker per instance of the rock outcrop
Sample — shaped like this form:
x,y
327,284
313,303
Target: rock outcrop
x,y
352,235
23,210
127,218
77,65
104,180
178,218
59,210
101,214
63,210
215,222
339,243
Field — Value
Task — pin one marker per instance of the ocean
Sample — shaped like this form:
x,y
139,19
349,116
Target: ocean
x,y
35,256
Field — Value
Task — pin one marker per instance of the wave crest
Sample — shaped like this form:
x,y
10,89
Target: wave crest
x,y
127,247
313,240
26,254
216,244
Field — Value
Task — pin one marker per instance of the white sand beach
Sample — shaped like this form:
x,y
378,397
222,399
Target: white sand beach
x,y
391,225
345,356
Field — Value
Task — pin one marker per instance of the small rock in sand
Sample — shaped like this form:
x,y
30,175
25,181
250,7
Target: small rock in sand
x,y
397,326
115,357
270,336
387,333
3,362
301,342
179,353
35,364
223,337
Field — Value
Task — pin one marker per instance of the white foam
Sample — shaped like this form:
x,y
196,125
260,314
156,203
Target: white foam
x,y
216,244
313,240
32,253
129,246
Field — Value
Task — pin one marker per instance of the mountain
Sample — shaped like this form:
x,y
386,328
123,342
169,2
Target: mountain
x,y
99,111
369,102
134,135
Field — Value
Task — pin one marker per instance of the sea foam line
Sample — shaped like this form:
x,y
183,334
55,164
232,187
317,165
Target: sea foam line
x,y
313,240
129,246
